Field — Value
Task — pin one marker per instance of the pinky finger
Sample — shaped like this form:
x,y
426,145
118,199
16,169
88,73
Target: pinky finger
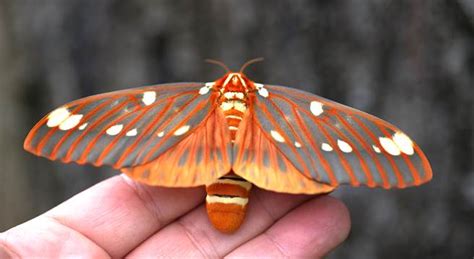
x,y
311,230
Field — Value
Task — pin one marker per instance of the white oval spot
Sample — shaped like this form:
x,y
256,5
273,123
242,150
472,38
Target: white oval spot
x,y
71,122
181,130
149,97
239,95
326,147
204,90
83,126
57,116
344,146
114,130
316,108
297,144
263,92
131,133
404,143
389,146
277,136
160,134
376,149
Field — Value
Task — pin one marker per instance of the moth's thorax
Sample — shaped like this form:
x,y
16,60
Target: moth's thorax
x,y
233,99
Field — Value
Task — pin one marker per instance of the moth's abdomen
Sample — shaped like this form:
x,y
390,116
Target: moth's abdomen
x,y
226,202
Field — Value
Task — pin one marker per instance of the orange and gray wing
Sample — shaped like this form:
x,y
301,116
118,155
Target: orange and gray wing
x,y
333,144
258,160
199,159
131,128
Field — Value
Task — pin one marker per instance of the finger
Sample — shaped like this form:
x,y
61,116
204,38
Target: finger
x,y
116,214
310,231
194,236
46,238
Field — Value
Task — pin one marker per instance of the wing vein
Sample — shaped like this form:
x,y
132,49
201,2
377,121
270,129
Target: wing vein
x,y
363,164
166,123
285,136
152,124
413,171
299,139
99,134
363,143
342,159
400,182
76,142
46,138
116,139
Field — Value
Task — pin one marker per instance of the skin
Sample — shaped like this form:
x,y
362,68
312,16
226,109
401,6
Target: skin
x,y
122,218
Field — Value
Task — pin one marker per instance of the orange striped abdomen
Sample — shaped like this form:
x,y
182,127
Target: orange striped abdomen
x,y
226,202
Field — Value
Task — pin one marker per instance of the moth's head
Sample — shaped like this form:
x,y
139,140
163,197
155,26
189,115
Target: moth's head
x,y
234,81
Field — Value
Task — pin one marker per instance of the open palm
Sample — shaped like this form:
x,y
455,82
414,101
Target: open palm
x,y
119,217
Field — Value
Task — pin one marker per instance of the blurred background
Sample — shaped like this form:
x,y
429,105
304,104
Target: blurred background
x,y
408,62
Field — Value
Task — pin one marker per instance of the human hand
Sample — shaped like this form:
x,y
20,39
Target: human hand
x,y
119,217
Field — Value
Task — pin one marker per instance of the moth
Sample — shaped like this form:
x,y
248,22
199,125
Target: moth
x,y
228,135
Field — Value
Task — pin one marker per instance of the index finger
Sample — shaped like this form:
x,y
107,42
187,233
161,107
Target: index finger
x,y
117,214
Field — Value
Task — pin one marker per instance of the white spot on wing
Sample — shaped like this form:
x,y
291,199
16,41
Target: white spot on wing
x,y
181,130
71,122
404,143
263,92
131,133
149,97
326,147
57,116
316,108
83,126
297,144
204,90
376,149
344,146
160,134
389,146
277,136
114,130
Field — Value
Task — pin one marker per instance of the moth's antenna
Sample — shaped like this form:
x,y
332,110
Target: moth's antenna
x,y
219,63
250,62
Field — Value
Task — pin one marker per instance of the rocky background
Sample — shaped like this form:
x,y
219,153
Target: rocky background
x,y
409,62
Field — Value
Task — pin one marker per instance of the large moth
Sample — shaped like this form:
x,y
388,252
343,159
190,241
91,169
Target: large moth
x,y
228,135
